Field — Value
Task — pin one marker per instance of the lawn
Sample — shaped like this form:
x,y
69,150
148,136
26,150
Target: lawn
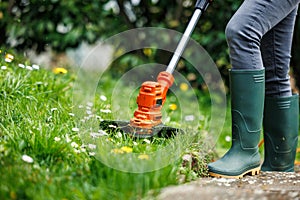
x,y
53,148
47,151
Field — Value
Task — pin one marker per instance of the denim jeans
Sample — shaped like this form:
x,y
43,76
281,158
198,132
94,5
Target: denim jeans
x,y
259,35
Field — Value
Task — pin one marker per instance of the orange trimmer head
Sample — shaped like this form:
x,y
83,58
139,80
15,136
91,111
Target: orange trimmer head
x,y
147,120
150,100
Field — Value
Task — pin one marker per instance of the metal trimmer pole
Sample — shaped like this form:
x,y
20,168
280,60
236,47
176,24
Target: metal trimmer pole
x,y
201,6
183,41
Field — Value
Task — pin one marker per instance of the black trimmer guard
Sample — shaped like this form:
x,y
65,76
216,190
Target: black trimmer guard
x,y
125,127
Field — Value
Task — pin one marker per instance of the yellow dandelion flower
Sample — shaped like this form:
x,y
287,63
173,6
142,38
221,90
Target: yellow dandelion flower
x,y
9,57
110,140
126,149
181,64
143,157
119,52
147,51
173,106
117,151
184,87
174,23
59,70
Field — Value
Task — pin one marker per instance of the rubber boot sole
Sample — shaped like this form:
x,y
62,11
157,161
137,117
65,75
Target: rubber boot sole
x,y
251,172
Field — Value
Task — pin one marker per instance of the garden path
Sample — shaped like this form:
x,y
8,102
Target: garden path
x,y
266,185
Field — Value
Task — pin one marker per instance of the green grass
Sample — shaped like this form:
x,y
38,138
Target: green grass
x,y
37,120
72,158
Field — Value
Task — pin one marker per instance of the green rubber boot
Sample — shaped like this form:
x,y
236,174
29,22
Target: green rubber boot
x,y
247,101
281,126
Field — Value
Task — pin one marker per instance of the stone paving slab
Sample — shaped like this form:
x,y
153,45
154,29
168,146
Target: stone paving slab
x,y
266,185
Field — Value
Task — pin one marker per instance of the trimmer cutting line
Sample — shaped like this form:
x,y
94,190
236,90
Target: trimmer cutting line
x,y
147,120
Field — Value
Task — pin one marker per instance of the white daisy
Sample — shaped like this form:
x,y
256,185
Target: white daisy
x,y
27,159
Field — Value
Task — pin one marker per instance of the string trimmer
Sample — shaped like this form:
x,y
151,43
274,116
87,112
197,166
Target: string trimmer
x,y
147,119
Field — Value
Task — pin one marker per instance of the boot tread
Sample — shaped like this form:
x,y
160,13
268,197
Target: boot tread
x,y
252,172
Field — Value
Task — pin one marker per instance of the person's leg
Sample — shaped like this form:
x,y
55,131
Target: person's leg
x,y
275,48
247,27
281,112
244,33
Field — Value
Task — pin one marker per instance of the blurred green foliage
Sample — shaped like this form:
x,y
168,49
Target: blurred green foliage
x,y
36,24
